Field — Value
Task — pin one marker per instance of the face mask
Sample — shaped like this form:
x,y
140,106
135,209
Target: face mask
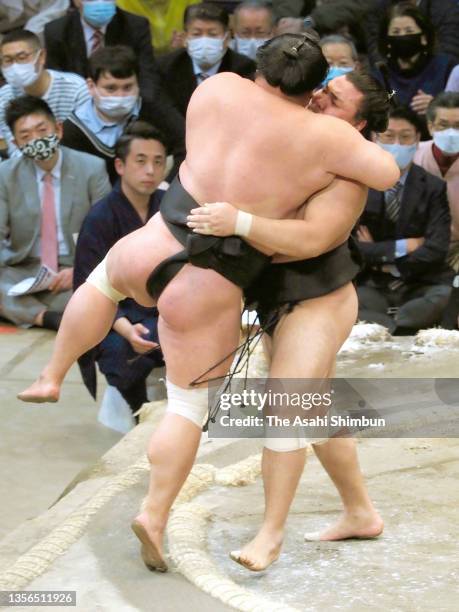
x,y
249,46
22,75
447,141
116,107
334,72
406,46
403,154
206,51
98,13
41,149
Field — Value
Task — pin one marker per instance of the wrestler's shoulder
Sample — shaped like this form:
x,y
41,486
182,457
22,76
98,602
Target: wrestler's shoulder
x,y
221,81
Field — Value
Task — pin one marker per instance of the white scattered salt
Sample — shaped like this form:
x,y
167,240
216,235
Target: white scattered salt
x,y
437,338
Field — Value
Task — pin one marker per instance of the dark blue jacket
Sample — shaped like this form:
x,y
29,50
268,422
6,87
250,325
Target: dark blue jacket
x,y
109,220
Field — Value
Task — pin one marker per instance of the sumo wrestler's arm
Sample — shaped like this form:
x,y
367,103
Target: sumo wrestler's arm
x,y
358,159
329,217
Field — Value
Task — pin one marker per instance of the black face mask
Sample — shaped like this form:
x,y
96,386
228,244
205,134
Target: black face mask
x,y
405,46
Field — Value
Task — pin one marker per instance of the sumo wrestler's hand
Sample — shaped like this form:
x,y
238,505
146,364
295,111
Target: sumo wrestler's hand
x,y
215,219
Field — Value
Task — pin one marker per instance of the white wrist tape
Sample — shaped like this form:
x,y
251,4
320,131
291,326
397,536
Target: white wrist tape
x,y
243,223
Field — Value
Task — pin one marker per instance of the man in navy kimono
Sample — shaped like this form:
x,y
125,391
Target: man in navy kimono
x,y
130,351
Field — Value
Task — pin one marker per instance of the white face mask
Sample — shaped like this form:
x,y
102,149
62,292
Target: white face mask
x,y
22,75
115,107
447,140
249,46
206,51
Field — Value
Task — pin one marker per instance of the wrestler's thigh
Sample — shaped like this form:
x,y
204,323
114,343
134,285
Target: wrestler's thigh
x,y
197,297
132,259
307,340
199,323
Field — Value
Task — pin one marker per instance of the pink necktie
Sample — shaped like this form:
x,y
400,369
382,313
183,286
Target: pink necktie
x,y
48,225
96,40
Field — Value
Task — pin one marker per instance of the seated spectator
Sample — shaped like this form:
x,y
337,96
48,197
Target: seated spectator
x,y
206,53
140,162
345,17
453,81
440,157
114,103
30,14
253,25
341,55
44,196
23,66
414,70
165,17
403,237
71,39
443,14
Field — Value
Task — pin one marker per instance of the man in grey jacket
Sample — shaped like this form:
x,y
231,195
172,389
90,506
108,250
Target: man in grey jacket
x,y
44,196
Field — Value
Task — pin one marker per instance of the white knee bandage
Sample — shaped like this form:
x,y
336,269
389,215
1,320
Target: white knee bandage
x,y
192,404
99,279
285,445
296,439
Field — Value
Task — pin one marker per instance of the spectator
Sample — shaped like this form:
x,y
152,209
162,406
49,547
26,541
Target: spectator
x,y
341,55
440,156
141,162
345,17
403,237
30,14
115,102
253,25
443,14
44,197
453,81
414,71
206,53
71,39
165,17
23,65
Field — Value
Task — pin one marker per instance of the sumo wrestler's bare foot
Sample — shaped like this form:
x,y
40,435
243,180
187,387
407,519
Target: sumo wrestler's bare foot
x,y
44,389
261,552
362,526
151,538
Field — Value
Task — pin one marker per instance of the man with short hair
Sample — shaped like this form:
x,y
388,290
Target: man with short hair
x,y
253,25
114,103
125,356
440,156
404,236
341,55
22,60
304,303
206,53
73,38
44,196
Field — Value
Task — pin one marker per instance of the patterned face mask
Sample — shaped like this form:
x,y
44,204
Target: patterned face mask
x,y
41,149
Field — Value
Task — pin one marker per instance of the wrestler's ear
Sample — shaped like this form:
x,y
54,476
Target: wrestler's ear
x,y
360,125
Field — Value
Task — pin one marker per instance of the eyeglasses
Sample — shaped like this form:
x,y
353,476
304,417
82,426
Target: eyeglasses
x,y
19,58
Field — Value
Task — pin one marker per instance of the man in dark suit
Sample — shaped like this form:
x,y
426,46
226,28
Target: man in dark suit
x,y
404,236
206,53
125,356
71,39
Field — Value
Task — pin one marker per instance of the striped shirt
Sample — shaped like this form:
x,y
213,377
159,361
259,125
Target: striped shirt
x,y
65,93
